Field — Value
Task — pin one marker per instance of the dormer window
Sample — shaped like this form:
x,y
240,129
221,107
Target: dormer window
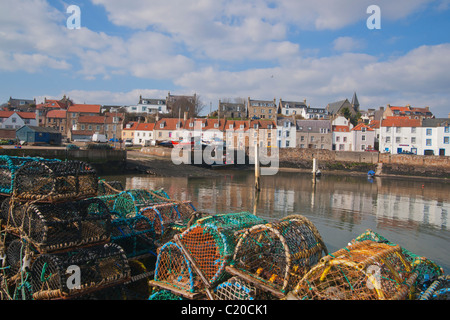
x,y
191,124
242,126
161,125
231,126
216,125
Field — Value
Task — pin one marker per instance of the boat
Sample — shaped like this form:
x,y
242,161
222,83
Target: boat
x,y
371,174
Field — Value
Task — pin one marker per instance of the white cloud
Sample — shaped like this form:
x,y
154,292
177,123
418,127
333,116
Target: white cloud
x,y
348,44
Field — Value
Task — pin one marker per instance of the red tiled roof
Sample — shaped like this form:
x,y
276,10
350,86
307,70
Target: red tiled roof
x,y
91,119
145,126
133,126
61,114
341,129
400,122
23,115
375,124
169,124
362,125
86,108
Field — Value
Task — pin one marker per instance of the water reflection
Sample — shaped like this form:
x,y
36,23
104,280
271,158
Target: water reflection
x,y
409,212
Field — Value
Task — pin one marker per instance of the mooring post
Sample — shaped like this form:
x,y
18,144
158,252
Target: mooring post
x,y
257,168
314,169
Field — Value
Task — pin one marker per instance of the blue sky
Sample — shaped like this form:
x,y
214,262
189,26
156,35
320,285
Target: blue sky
x,y
321,51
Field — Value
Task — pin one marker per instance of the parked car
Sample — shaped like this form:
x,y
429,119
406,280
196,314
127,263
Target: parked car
x,y
128,143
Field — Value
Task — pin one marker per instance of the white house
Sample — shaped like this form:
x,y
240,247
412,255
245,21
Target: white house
x,y
289,108
149,106
435,137
16,120
143,134
363,137
342,134
286,133
400,134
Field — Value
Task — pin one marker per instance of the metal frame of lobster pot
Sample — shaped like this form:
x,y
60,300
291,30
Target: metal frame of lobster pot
x,y
196,259
275,256
78,272
135,235
8,168
65,225
55,181
365,270
129,203
169,216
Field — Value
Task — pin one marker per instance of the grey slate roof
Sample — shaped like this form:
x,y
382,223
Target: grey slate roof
x,y
436,122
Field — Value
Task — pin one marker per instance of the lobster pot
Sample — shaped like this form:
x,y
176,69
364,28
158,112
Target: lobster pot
x,y
108,200
11,214
8,168
174,269
426,269
439,290
61,226
70,274
110,187
236,288
135,235
363,271
166,215
128,203
280,253
50,181
211,241
164,295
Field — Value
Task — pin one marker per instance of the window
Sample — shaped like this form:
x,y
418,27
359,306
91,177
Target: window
x,y
429,132
363,147
364,129
398,130
345,139
338,139
413,139
90,127
13,120
363,138
447,129
428,142
98,127
83,127
388,129
287,134
287,144
388,139
397,140
446,140
302,138
413,130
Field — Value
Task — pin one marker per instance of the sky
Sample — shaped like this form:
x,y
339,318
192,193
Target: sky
x,y
295,50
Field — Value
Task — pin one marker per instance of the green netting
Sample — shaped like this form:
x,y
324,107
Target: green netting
x,y
129,203
164,295
135,235
427,270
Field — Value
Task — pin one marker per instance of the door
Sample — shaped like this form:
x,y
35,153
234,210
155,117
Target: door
x,y
442,152
399,150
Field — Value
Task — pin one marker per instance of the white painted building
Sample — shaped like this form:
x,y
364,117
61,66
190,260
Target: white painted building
x,y
435,137
400,135
16,120
363,137
286,133
144,134
342,134
149,106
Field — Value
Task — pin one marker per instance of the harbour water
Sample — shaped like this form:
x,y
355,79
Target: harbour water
x,y
413,213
